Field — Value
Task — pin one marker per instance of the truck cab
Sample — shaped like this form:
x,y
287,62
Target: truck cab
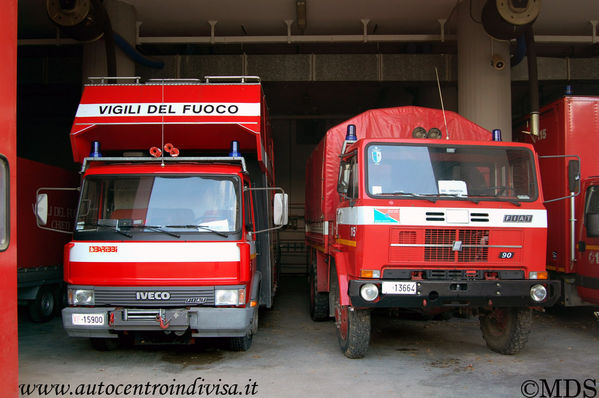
x,y
587,276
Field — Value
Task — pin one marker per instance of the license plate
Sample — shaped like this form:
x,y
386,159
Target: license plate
x,y
88,319
399,287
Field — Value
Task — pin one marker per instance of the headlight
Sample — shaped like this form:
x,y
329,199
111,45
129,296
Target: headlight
x,y
229,296
81,297
538,293
369,292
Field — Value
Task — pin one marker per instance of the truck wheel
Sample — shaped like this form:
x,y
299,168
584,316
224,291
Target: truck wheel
x,y
42,308
241,343
319,302
244,343
104,344
506,330
353,326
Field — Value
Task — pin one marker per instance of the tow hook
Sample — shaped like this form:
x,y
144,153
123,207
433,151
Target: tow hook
x,y
111,319
161,318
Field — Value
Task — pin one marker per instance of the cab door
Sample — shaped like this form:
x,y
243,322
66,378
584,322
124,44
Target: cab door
x,y
587,267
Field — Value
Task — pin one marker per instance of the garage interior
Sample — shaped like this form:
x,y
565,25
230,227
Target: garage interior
x,y
320,63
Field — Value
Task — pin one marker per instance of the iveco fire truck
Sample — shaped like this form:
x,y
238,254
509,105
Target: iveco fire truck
x,y
420,209
173,236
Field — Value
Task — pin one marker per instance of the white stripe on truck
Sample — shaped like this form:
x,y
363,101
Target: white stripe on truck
x,y
148,252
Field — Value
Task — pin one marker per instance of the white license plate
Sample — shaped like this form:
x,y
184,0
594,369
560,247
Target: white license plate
x,y
399,287
88,319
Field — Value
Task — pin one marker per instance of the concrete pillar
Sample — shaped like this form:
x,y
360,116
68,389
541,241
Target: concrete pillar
x,y
484,92
123,18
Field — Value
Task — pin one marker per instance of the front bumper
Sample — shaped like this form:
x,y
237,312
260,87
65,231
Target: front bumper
x,y
202,321
458,293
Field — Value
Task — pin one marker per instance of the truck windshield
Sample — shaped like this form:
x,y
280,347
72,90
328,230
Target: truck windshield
x,y
160,203
469,172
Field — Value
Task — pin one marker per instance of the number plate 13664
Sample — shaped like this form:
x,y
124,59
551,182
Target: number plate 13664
x,y
399,287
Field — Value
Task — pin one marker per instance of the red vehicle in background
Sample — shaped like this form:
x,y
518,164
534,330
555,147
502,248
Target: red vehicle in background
x,y
418,209
177,245
39,256
567,145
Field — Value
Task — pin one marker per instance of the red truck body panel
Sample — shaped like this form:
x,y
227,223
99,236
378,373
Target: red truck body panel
x,y
568,126
202,118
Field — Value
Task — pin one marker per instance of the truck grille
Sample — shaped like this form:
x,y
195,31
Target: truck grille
x,y
439,245
448,245
162,296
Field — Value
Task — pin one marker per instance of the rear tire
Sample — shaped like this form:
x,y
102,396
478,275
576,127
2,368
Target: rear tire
x,y
353,326
506,330
319,302
43,307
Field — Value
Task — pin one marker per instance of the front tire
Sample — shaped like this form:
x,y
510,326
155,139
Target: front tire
x,y
244,343
353,326
506,330
43,307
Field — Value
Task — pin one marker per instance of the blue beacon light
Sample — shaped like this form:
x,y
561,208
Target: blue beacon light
x,y
496,135
234,149
95,153
351,133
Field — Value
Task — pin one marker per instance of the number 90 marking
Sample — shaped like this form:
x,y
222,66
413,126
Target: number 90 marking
x,y
506,255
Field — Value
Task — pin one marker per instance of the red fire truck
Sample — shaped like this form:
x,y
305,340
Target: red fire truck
x,y
177,245
418,209
567,141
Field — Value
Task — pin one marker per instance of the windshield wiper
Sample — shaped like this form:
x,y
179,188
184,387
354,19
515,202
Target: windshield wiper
x,y
157,228
114,229
199,226
415,195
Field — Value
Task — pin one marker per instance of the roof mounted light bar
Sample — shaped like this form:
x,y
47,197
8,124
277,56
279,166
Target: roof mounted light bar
x,y
232,79
136,159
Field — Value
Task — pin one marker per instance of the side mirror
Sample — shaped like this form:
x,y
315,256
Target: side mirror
x,y
343,183
592,224
84,207
574,176
281,209
41,209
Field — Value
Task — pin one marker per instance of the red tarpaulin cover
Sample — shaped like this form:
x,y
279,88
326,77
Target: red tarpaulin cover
x,y
322,170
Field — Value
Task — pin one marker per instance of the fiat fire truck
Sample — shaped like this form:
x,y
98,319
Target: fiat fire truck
x,y
567,144
174,232
421,210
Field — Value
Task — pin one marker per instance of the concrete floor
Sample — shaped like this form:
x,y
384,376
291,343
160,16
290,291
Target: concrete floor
x,y
294,357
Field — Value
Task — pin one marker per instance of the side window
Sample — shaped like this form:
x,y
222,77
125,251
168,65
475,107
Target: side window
x,y
247,199
4,204
591,211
